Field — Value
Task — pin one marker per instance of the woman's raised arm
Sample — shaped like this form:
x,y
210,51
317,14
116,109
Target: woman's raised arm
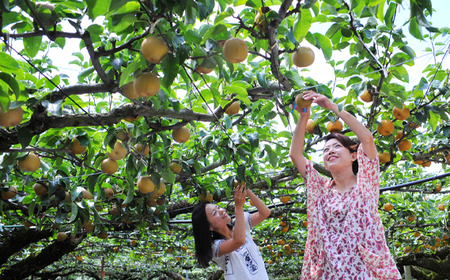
x,y
298,139
364,135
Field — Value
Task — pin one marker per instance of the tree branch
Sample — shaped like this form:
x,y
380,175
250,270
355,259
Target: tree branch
x,y
95,62
273,45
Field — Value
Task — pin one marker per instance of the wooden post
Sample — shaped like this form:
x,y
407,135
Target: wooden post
x,y
103,268
407,272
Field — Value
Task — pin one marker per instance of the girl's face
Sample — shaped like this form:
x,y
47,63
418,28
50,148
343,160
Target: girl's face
x,y
335,155
217,217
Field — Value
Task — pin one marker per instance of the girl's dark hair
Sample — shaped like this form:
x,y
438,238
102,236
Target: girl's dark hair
x,y
348,143
203,237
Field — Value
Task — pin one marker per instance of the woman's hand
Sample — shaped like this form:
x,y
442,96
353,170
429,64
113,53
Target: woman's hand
x,y
319,99
302,111
240,193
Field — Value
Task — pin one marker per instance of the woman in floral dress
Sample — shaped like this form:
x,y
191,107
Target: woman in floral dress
x,y
345,234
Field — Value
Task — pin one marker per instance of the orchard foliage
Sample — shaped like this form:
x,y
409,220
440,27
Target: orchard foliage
x,y
117,231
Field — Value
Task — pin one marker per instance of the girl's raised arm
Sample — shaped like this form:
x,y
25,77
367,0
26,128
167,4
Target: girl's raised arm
x,y
238,238
263,210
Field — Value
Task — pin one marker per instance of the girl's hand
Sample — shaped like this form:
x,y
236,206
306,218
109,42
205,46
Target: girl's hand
x,y
240,193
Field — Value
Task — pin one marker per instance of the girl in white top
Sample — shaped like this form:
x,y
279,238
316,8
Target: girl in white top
x,y
230,246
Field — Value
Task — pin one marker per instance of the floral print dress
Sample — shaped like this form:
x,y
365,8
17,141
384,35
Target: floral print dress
x,y
345,234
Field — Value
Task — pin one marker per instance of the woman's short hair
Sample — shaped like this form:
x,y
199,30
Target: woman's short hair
x,y
348,143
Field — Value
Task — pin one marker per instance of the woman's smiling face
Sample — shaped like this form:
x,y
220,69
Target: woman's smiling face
x,y
217,217
337,155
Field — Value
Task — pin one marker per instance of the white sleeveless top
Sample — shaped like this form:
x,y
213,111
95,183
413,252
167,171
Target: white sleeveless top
x,y
245,262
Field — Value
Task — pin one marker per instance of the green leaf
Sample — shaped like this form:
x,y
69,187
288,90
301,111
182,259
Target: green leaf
x,y
117,4
284,134
265,109
175,104
183,53
388,17
333,30
129,70
190,16
354,4
230,182
73,212
164,225
24,136
273,157
400,73
295,79
325,44
61,42
359,88
97,8
168,176
241,173
83,74
402,59
220,17
32,45
170,69
302,24
380,11
433,120
254,140
192,36
213,31
92,179
97,218
372,3
95,29
235,90
76,101
261,79
397,102
31,209
409,51
354,80
308,4
351,65
60,217
415,29
8,64
12,83
420,17
4,6
130,195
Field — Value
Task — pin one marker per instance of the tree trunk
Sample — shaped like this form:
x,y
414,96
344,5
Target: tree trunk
x,y
20,238
47,256
439,263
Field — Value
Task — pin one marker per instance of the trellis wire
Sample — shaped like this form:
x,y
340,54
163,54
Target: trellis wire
x,y
415,182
